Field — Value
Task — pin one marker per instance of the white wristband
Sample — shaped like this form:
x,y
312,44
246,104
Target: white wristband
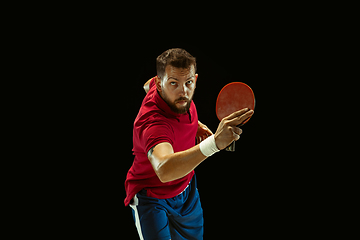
x,y
208,146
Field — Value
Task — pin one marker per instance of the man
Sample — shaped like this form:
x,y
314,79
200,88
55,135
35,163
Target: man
x,y
161,184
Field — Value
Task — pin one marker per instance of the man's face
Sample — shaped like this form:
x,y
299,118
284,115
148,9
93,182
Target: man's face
x,y
177,87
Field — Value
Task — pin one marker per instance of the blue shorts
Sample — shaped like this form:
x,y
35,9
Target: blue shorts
x,y
176,218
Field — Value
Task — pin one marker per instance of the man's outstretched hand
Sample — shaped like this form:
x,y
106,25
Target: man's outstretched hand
x,y
227,131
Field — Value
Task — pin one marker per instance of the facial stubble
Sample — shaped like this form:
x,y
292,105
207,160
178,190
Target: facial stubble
x,y
173,106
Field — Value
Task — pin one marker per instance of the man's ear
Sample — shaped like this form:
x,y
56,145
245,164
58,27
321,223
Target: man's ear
x,y
158,83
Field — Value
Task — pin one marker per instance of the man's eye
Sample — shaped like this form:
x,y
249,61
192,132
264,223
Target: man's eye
x,y
173,83
190,82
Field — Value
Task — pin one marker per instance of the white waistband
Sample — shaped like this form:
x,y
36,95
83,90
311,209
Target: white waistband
x,y
184,189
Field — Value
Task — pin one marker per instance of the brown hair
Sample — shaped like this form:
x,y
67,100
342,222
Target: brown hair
x,y
175,57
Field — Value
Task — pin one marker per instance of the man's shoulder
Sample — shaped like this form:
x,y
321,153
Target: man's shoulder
x,y
151,114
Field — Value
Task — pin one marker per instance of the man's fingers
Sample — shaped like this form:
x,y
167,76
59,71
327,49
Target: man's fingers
x,y
237,137
236,132
239,119
236,114
209,132
201,138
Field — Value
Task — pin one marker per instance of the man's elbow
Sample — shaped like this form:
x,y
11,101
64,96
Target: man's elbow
x,y
163,175
146,87
164,179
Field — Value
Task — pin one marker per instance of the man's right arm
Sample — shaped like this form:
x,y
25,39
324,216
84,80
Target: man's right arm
x,y
170,166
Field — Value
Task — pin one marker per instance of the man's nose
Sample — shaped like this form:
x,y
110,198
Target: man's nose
x,y
183,90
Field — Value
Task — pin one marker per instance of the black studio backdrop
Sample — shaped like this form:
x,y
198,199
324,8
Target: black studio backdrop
x,y
97,79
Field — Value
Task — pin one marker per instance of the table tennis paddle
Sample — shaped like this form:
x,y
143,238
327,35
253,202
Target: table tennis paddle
x,y
234,97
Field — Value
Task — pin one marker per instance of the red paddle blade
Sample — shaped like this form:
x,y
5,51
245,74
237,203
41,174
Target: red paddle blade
x,y
233,97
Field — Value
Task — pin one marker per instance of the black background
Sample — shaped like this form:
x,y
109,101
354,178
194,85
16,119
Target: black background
x,y
246,190
82,88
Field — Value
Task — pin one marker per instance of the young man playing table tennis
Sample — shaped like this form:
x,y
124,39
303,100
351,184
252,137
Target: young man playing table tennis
x,y
161,184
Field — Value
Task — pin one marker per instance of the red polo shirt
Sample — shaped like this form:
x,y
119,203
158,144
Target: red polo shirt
x,y
154,124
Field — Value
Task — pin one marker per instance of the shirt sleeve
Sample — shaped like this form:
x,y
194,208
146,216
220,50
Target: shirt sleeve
x,y
156,133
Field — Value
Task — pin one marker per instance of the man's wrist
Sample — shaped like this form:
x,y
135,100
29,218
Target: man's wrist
x,y
208,146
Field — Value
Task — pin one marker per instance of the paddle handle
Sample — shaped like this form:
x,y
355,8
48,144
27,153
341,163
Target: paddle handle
x,y
231,147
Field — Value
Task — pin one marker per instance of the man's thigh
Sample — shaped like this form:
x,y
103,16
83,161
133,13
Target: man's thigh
x,y
151,222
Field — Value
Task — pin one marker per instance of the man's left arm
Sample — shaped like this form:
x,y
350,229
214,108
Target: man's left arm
x,y
203,132
170,166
